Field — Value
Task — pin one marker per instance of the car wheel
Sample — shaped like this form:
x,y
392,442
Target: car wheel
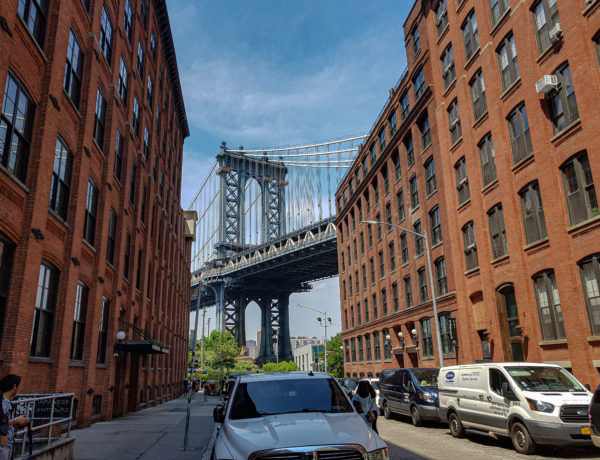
x,y
415,416
521,439
387,413
456,427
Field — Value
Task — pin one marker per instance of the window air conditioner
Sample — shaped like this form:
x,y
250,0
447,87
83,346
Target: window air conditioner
x,y
555,33
546,84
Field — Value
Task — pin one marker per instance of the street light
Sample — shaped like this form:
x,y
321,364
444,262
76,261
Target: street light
x,y
435,313
322,323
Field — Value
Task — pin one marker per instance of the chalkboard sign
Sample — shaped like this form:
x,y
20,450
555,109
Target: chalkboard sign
x,y
62,408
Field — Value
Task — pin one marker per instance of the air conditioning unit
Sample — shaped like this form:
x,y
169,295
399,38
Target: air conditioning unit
x,y
546,84
555,33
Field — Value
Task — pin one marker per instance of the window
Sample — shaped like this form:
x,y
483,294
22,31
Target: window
x,y
99,119
140,61
366,310
118,155
562,102
357,281
404,248
589,270
396,162
91,208
112,235
343,261
507,60
404,106
448,69
441,17
388,215
378,219
16,123
477,90
430,184
419,84
518,129
408,291
497,232
123,79
423,285
395,296
132,185
545,16
362,243
146,142
462,181
138,276
440,276
400,203
153,46
158,120
364,165
454,122
73,69
418,239
579,189
7,254
61,179
381,266
497,9
446,333
144,13
375,186
384,302
373,153
96,406
45,306
127,17
86,5
350,285
364,277
346,318
414,191
77,339
347,349
368,346
410,151
425,133
150,102
427,338
597,46
376,346
105,38
33,13
435,226
353,348
548,302
358,311
533,213
367,203
344,291
392,122
470,247
386,180
370,236
127,256
470,35
416,41
136,116
374,299
387,345
488,160
381,137
372,269
392,255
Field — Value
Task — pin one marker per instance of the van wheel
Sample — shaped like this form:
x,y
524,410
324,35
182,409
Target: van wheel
x,y
416,418
521,439
456,427
387,413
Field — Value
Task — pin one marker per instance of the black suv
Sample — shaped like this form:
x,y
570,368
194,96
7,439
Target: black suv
x,y
595,417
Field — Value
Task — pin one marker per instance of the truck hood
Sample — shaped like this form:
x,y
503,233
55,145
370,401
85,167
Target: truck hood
x,y
560,398
242,437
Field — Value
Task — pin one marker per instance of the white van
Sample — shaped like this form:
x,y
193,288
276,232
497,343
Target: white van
x,y
530,403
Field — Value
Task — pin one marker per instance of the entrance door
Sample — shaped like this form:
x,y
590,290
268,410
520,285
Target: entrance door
x,y
134,368
119,402
508,317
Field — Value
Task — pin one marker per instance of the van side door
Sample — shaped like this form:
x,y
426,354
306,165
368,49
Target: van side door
x,y
472,384
498,405
407,389
396,389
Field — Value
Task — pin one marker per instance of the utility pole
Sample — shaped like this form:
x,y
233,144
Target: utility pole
x,y
202,346
189,402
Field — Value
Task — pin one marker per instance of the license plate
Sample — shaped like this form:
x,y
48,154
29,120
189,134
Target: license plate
x,y
585,430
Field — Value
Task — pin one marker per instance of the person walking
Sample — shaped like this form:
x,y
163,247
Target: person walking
x,y
206,390
194,387
9,386
366,397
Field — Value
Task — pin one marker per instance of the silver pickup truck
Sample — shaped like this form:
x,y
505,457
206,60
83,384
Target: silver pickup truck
x,y
297,414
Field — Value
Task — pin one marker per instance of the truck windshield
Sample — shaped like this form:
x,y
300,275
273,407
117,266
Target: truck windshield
x,y
426,377
258,399
537,378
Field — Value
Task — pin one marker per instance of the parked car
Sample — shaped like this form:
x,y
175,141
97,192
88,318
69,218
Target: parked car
x,y
530,403
375,384
283,413
594,413
410,391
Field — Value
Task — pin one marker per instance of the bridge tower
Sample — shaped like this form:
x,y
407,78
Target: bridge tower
x,y
235,170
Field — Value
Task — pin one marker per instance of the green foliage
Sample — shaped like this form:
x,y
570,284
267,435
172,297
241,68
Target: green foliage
x,y
244,366
335,357
283,366
220,350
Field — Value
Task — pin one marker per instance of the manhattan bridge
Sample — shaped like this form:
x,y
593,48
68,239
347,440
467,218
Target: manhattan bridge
x,y
265,230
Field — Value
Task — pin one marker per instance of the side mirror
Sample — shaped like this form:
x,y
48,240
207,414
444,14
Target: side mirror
x,y
357,406
508,393
588,387
219,414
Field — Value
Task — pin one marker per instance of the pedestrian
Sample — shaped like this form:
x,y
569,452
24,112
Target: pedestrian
x,y
194,387
9,386
206,390
366,397
186,387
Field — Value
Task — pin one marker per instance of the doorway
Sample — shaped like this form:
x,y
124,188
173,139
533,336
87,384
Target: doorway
x,y
508,317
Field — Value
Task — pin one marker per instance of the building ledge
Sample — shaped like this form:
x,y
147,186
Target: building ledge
x,y
585,226
490,186
500,22
513,86
567,132
522,162
480,119
472,271
539,244
593,338
40,359
497,260
463,204
588,9
543,343
473,57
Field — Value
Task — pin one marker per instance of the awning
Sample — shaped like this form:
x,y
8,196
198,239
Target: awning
x,y
144,347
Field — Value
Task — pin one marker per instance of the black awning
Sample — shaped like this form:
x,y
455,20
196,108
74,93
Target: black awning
x,y
144,347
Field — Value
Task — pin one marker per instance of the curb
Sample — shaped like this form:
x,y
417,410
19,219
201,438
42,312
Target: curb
x,y
211,443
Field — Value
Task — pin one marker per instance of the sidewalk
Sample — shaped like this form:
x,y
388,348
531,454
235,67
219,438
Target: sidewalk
x,y
155,433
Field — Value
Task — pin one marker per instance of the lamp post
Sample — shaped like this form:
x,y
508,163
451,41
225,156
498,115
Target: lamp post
x,y
435,313
322,323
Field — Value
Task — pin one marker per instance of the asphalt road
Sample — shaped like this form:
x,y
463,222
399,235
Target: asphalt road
x,y
433,441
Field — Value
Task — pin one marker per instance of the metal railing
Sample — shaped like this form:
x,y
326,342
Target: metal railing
x,y
45,412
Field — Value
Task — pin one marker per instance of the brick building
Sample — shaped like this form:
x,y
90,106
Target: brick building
x,y
92,236
517,206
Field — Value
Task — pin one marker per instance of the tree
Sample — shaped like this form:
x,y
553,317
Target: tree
x,y
335,356
244,366
220,350
283,366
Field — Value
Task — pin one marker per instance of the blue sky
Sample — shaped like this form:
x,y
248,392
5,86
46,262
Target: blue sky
x,y
266,73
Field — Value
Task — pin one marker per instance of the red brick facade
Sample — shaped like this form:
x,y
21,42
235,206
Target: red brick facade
x,y
153,300
529,290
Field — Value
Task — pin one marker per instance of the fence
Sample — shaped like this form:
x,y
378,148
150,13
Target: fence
x,y
45,412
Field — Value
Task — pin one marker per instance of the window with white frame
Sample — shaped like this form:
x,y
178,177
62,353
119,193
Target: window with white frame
x,y
548,303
